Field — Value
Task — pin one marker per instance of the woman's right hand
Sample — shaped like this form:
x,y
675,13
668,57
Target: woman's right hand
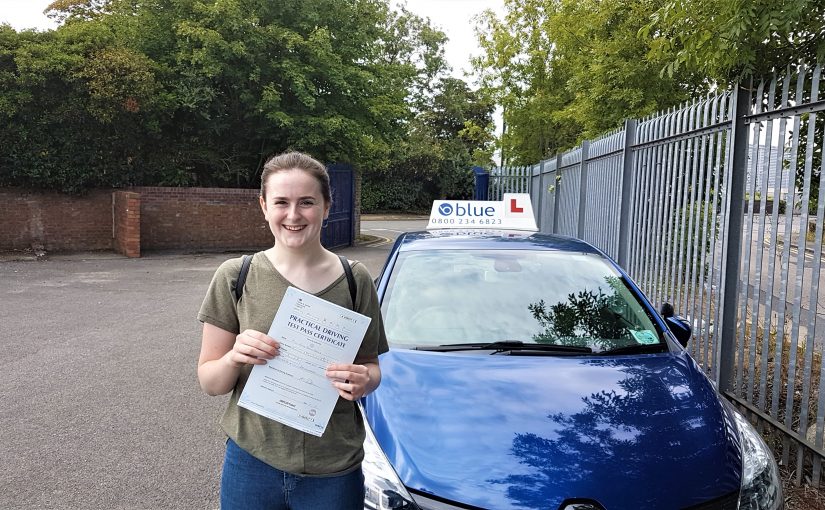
x,y
223,353
252,348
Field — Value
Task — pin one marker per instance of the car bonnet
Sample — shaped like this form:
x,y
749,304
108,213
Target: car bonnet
x,y
496,431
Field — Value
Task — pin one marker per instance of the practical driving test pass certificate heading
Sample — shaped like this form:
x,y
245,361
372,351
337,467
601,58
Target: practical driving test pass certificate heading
x,y
292,388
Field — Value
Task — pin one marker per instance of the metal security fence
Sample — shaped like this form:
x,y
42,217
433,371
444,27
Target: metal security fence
x,y
717,208
508,180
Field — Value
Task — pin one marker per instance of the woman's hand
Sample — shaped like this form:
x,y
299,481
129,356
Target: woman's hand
x,y
252,348
223,353
354,381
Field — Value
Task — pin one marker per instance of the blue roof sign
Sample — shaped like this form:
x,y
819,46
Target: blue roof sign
x,y
513,212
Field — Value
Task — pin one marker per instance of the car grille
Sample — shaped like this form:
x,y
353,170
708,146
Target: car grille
x,y
728,502
429,502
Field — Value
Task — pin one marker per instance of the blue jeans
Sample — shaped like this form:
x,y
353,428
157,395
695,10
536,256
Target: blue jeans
x,y
250,484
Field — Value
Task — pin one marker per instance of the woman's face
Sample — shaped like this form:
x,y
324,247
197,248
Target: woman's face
x,y
294,208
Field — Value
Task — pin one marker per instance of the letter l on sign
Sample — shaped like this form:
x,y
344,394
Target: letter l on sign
x,y
514,206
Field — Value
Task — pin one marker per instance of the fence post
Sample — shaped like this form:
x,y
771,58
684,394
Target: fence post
x,y
540,191
627,188
733,240
556,193
583,188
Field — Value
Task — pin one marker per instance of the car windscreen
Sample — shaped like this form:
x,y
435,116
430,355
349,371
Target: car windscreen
x,y
442,297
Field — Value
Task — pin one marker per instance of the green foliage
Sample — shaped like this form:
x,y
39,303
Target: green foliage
x,y
568,70
200,92
383,192
65,122
727,40
450,134
696,228
75,10
815,159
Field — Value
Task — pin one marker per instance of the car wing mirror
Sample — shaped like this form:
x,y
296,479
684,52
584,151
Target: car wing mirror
x,y
677,325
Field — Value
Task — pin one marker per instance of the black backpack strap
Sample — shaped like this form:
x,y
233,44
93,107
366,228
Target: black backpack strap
x,y
247,260
353,289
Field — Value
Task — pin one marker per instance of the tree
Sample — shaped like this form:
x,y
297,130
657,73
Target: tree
x,y
75,10
253,78
569,70
613,76
186,92
728,40
74,109
518,69
450,134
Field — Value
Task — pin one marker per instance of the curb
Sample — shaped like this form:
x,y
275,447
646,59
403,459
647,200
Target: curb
x,y
795,248
14,257
370,241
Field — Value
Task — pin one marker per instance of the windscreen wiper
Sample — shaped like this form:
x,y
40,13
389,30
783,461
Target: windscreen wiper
x,y
508,346
635,349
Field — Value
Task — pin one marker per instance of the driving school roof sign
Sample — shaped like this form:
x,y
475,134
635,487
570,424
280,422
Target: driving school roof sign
x,y
514,212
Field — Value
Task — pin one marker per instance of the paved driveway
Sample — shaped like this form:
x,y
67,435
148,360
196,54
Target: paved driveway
x,y
99,402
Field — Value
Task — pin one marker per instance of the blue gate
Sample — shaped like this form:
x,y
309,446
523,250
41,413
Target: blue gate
x,y
482,183
340,230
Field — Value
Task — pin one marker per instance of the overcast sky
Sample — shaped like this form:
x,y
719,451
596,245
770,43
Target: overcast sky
x,y
22,14
454,17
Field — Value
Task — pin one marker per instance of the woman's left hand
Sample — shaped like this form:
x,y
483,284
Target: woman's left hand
x,y
351,381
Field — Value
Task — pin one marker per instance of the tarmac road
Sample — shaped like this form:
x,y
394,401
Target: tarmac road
x,y
99,401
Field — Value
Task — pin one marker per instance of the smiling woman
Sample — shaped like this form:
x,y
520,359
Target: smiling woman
x,y
298,202
269,464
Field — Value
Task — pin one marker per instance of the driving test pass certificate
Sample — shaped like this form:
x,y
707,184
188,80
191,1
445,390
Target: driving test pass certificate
x,y
292,388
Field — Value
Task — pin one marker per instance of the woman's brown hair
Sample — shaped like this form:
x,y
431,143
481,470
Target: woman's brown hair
x,y
297,161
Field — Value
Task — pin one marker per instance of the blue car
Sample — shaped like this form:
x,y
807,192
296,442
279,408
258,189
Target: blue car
x,y
527,371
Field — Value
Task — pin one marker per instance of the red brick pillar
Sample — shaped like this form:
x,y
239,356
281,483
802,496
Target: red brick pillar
x,y
126,218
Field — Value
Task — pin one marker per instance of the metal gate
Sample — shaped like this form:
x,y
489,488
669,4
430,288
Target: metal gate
x,y
508,180
340,229
718,207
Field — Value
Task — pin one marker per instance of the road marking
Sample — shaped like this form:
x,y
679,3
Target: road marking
x,y
381,241
384,230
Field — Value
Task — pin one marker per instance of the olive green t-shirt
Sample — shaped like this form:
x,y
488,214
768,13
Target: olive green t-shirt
x,y
340,449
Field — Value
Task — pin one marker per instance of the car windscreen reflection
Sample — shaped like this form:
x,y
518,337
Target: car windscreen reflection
x,y
442,297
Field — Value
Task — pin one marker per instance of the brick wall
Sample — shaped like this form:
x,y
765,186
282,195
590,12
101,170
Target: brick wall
x,y
201,218
136,220
54,221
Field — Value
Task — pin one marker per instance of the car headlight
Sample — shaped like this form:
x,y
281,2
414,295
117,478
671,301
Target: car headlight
x,y
761,487
383,488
